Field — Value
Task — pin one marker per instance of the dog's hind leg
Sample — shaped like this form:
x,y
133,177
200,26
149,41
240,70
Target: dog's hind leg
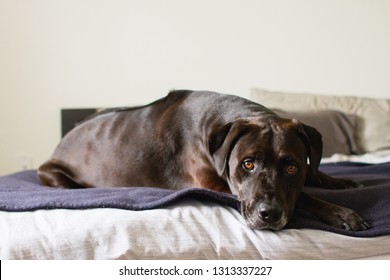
x,y
327,182
55,175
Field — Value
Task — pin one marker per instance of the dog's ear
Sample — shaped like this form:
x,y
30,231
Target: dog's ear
x,y
222,141
313,142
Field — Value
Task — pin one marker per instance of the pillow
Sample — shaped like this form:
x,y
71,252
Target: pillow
x,y
373,115
337,129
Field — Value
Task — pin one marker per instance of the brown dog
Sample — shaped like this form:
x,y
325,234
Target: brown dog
x,y
206,140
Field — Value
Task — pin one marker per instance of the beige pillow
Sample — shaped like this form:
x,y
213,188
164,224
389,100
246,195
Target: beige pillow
x,y
373,115
338,130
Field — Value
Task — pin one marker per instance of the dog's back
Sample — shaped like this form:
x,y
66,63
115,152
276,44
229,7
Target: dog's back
x,y
160,144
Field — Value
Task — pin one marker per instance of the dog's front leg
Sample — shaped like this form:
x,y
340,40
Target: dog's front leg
x,y
332,214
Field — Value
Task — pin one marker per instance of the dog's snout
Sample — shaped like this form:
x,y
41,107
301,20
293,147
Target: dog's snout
x,y
269,213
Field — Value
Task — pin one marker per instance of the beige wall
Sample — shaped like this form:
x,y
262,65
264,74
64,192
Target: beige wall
x,y
83,53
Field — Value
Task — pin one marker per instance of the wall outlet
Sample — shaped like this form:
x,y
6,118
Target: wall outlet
x,y
25,162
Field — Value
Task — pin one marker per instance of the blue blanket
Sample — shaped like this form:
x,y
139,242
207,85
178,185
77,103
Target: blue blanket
x,y
23,192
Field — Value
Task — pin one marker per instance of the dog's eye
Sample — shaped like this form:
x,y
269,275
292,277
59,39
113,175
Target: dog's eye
x,y
248,164
291,169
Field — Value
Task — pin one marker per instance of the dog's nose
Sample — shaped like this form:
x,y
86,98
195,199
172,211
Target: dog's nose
x,y
269,213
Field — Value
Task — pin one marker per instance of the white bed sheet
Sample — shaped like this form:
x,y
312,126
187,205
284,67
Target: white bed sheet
x,y
376,157
189,230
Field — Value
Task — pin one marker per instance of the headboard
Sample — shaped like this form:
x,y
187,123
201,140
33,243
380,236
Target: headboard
x,y
70,117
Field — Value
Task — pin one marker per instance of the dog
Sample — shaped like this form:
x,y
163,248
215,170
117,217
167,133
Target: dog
x,y
207,140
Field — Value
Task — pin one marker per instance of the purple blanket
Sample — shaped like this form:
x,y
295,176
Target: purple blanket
x,y
23,192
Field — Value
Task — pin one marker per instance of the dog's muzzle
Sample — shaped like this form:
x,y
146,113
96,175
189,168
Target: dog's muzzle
x,y
269,213
265,215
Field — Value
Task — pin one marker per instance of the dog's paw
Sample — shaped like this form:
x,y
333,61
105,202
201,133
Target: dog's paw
x,y
347,219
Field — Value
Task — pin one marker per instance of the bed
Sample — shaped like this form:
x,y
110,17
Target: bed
x,y
39,222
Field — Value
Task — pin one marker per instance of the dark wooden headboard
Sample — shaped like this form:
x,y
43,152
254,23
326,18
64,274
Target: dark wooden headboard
x,y
70,117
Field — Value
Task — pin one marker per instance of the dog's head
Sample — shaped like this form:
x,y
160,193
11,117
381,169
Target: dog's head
x,y
266,162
